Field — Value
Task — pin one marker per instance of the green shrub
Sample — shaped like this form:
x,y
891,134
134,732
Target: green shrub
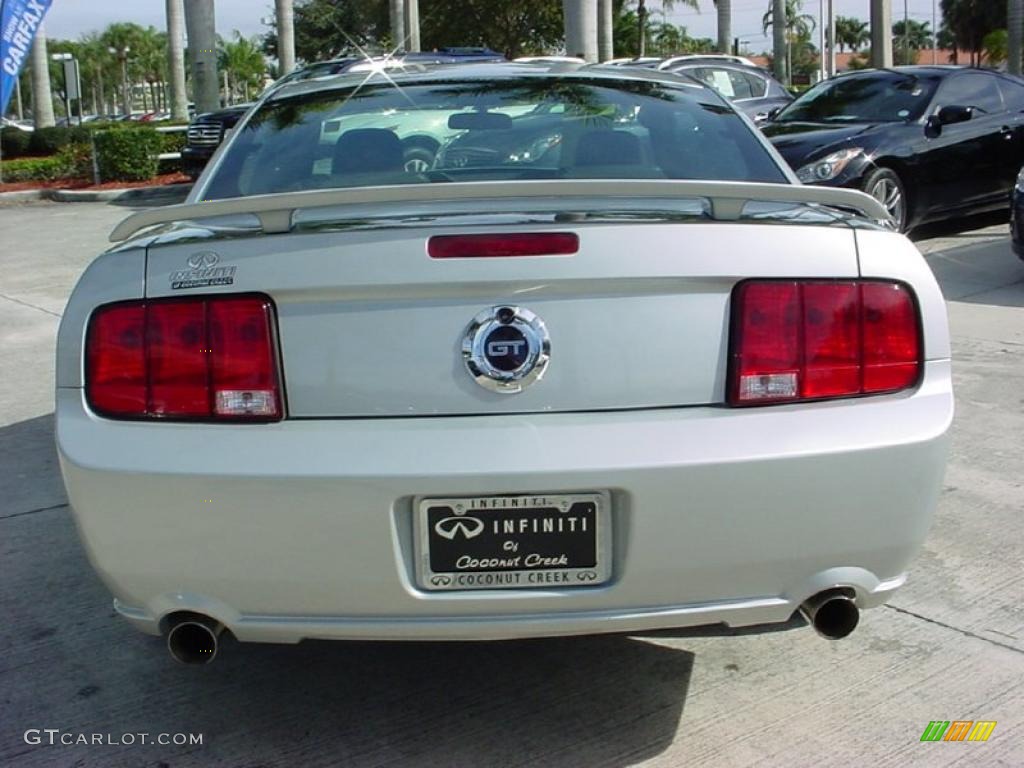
x,y
77,159
14,142
173,141
79,134
125,154
46,141
34,169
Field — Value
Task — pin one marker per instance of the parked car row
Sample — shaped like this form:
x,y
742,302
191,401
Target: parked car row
x,y
748,87
928,142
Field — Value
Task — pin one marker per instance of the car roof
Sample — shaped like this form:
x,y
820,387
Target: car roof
x,y
492,72
913,69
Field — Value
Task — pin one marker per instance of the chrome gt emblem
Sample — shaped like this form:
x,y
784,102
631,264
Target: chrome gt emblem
x,y
506,349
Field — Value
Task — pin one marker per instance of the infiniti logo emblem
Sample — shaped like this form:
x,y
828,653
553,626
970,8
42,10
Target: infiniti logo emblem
x,y
450,527
203,259
506,349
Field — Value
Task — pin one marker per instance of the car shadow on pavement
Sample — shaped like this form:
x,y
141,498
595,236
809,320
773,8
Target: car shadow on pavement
x,y
986,272
68,662
151,197
962,228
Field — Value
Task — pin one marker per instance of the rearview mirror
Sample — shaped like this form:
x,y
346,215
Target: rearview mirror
x,y
480,121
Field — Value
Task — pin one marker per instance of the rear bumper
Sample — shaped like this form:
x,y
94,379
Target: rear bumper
x,y
304,529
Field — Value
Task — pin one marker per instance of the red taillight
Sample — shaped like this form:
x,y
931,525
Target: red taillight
x,y
813,339
498,245
197,358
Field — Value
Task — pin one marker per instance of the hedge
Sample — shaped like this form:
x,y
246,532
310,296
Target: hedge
x,y
34,169
124,154
14,142
47,141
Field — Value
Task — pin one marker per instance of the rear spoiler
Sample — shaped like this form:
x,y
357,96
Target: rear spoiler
x,y
727,199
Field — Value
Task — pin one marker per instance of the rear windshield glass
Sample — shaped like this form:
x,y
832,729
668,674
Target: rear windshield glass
x,y
489,130
879,97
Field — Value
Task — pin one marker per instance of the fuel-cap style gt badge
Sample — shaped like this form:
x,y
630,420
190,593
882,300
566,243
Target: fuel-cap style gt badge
x,y
506,349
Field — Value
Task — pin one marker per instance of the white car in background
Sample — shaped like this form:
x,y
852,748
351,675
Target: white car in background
x,y
612,371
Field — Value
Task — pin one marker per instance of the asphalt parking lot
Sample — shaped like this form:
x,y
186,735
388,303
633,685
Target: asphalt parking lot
x,y
950,646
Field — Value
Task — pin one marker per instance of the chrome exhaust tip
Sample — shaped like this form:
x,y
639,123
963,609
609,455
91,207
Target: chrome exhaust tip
x,y
194,639
834,615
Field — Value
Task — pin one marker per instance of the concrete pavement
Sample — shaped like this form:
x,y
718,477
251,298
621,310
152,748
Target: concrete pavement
x,y
950,645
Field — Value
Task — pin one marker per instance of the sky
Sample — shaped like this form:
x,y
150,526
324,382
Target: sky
x,y
71,18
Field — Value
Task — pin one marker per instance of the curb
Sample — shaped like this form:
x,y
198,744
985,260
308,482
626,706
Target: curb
x,y
130,195
22,194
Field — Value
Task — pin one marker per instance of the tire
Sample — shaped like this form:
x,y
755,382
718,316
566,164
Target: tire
x,y
417,158
887,188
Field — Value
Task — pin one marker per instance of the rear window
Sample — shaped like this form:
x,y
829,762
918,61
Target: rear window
x,y
489,130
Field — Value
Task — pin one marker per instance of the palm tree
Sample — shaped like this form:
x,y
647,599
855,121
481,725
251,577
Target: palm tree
x,y
176,59
151,65
42,98
285,36
851,32
724,8
666,5
1014,25
798,26
244,64
913,35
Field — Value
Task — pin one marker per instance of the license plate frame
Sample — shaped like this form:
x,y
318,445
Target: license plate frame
x,y
546,508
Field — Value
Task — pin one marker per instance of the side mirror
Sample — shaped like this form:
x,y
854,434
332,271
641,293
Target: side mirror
x,y
946,116
772,113
955,114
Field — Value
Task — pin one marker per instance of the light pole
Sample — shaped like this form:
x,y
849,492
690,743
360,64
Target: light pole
x,y
122,55
62,57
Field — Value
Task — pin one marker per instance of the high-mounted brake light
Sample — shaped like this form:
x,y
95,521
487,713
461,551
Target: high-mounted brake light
x,y
501,245
196,358
814,339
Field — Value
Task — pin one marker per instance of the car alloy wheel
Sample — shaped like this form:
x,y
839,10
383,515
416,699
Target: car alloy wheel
x,y
886,187
418,159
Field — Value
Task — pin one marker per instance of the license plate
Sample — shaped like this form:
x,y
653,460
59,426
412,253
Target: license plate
x,y
514,542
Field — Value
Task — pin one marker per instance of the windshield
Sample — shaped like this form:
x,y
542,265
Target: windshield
x,y
878,97
489,130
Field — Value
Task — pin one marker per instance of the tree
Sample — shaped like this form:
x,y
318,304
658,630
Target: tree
x,y
798,28
852,33
724,9
968,21
912,34
1014,33
995,45
176,59
514,28
324,29
643,14
141,45
42,98
244,64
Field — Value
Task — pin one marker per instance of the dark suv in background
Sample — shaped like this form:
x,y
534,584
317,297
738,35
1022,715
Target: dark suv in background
x,y
205,134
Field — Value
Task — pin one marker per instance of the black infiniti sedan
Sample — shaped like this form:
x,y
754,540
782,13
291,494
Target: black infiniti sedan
x,y
928,142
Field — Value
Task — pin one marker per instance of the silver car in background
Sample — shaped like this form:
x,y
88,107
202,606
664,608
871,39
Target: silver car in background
x,y
603,366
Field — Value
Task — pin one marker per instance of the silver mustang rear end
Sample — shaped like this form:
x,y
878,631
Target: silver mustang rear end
x,y
601,368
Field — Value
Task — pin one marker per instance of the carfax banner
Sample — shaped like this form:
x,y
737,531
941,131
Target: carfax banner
x,y
19,20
